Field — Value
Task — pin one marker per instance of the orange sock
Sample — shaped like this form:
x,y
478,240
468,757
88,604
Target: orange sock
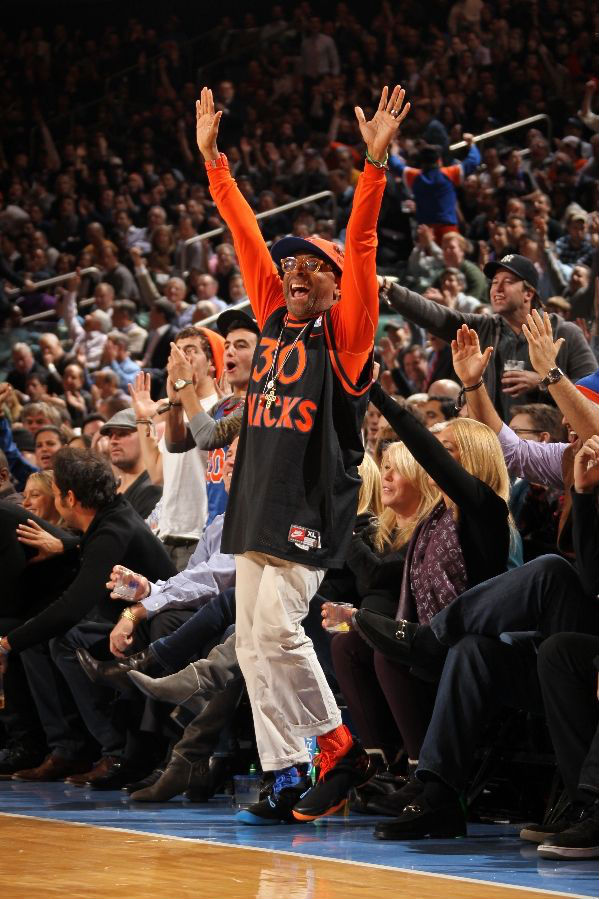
x,y
338,740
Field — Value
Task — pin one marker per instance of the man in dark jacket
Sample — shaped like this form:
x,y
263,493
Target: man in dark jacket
x,y
113,533
510,377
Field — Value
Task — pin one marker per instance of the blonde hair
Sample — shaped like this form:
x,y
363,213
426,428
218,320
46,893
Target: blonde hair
x,y
388,533
44,480
480,454
369,499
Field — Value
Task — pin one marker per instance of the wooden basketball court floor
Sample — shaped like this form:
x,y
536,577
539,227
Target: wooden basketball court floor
x,y
61,841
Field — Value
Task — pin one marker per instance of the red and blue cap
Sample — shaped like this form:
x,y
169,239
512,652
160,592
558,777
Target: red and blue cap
x,y
309,246
589,387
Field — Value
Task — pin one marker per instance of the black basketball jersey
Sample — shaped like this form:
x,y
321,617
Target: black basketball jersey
x,y
295,484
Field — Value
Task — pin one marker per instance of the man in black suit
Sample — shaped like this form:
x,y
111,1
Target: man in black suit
x,y
26,588
83,615
157,347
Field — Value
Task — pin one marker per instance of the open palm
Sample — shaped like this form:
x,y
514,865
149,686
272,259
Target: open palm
x,y
141,400
382,128
207,121
468,361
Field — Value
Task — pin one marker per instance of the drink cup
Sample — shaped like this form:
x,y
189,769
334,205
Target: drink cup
x,y
337,623
246,790
126,585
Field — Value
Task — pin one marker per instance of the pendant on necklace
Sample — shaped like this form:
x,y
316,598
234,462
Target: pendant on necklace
x,y
267,399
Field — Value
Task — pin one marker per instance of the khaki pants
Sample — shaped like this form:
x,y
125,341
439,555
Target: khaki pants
x,y
288,691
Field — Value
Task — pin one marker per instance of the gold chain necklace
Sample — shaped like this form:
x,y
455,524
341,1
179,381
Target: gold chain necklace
x,y
269,392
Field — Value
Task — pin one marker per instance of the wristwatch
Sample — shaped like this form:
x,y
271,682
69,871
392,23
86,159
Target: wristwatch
x,y
552,377
180,383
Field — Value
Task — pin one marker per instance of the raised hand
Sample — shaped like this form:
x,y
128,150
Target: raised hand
x,y
586,466
468,362
207,121
384,125
541,347
143,404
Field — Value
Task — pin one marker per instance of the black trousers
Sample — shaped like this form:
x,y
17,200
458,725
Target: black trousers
x,y
62,711
568,679
544,596
482,671
481,674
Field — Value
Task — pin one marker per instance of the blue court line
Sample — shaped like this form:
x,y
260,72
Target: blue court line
x,y
491,853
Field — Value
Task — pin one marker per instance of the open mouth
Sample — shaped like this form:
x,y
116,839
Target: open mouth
x,y
299,291
230,367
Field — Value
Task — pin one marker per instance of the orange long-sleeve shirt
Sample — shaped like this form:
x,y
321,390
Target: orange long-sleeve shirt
x,y
355,316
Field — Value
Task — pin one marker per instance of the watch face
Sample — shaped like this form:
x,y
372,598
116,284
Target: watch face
x,y
180,383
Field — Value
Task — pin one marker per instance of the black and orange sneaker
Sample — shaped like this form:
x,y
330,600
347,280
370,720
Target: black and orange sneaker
x,y
342,765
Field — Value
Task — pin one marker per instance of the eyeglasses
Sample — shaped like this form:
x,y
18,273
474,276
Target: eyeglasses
x,y
528,431
312,264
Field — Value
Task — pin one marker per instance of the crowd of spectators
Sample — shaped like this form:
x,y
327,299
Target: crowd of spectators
x,y
100,179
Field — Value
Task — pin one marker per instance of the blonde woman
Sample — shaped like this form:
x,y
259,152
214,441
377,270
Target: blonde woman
x,y
39,498
408,497
463,541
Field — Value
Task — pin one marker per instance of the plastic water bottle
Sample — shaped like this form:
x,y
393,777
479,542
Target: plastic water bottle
x,y
312,747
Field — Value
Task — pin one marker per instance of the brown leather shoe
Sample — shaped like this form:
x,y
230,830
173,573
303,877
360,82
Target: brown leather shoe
x,y
54,767
100,769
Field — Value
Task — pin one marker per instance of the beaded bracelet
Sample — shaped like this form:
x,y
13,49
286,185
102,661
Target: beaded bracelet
x,y
462,394
375,162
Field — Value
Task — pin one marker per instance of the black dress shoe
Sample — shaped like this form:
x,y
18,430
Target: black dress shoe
x,y
402,641
121,772
16,756
114,672
148,781
420,819
393,802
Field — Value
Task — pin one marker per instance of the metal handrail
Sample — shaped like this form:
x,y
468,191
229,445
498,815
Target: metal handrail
x,y
212,318
260,215
57,279
487,135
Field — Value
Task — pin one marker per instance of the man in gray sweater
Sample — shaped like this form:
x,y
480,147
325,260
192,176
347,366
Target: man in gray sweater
x,y
510,377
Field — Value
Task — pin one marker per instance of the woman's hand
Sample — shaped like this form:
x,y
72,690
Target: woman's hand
x,y
207,122
32,534
384,125
334,614
468,361
586,466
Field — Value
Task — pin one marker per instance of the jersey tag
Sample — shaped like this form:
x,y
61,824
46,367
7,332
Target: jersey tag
x,y
304,538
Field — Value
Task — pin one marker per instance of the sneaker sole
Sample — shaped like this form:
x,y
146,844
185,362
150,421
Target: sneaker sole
x,y
247,818
301,816
568,852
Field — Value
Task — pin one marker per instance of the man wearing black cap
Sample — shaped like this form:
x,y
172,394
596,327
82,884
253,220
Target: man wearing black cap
x,y
295,485
510,377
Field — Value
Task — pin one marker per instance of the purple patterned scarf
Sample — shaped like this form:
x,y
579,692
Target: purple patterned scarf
x,y
434,571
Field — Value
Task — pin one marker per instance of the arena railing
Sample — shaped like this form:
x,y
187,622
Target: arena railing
x,y
504,129
293,204
52,282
